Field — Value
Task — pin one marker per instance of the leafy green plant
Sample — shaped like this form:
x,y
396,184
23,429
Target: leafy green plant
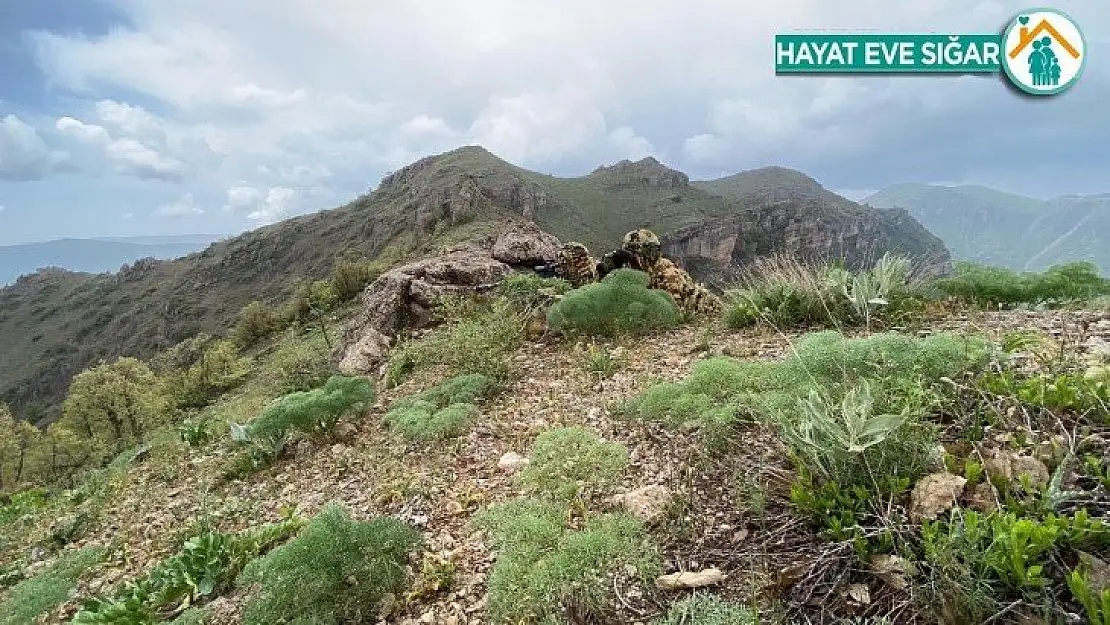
x,y
1095,602
601,362
206,566
620,304
544,571
335,570
571,462
22,503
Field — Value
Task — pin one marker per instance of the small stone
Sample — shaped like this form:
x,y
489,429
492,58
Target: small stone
x,y
512,462
647,504
345,429
934,494
690,579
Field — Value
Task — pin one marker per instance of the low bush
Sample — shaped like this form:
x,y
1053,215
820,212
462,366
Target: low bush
x,y
350,277
996,287
620,304
310,412
206,566
544,571
702,608
256,321
785,292
37,595
972,556
441,412
336,570
571,462
21,503
477,336
528,291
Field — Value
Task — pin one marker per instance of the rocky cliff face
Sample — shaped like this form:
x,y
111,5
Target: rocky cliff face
x,y
808,229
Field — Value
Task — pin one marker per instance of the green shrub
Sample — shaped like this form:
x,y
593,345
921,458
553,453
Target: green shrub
x,y
478,336
22,503
995,287
422,421
702,608
310,412
528,291
256,321
720,389
620,304
569,462
35,596
206,566
785,292
443,411
543,570
310,301
218,369
970,555
337,570
299,365
349,278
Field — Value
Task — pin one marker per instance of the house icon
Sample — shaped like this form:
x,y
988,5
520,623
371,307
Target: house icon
x,y
1026,37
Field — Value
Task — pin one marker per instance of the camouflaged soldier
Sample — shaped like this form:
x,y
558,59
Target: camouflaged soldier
x,y
647,256
575,265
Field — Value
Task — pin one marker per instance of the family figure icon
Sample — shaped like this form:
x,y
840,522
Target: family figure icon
x,y
1044,67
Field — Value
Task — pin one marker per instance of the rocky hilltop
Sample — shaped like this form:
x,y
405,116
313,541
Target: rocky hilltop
x,y
781,209
58,323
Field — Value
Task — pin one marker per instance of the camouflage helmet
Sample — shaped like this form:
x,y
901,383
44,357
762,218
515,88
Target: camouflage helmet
x,y
573,250
644,244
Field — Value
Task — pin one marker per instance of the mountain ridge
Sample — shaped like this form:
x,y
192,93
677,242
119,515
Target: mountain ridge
x,y
986,225
424,208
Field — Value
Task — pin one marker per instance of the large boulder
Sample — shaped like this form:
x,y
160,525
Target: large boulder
x,y
405,296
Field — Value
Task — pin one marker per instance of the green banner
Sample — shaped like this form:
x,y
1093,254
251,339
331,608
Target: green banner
x,y
887,53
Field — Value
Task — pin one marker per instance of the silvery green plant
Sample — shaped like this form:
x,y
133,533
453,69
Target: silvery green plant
x,y
825,430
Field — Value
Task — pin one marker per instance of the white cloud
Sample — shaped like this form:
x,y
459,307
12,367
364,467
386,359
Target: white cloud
x,y
131,120
141,161
280,103
182,207
24,155
89,133
261,204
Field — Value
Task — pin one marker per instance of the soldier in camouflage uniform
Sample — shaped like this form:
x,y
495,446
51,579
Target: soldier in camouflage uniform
x,y
643,252
575,265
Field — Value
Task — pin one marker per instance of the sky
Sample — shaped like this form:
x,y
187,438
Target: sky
x,y
132,117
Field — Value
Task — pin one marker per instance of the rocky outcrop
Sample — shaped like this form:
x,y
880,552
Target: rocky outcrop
x,y
462,185
405,296
646,172
809,229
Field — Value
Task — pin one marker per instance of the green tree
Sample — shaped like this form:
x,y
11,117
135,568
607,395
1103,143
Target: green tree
x,y
115,404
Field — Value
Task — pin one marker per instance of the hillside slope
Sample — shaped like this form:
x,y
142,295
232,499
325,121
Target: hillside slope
x,y
53,324
989,226
93,255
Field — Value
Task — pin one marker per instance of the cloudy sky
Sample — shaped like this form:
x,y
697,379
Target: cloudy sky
x,y
124,117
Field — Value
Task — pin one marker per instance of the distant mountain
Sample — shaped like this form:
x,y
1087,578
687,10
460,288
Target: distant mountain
x,y
94,255
54,323
985,225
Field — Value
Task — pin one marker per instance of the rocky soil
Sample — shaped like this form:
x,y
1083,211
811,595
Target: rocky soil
x,y
724,511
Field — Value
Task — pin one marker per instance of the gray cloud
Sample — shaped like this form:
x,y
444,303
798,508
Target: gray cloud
x,y
308,101
24,156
